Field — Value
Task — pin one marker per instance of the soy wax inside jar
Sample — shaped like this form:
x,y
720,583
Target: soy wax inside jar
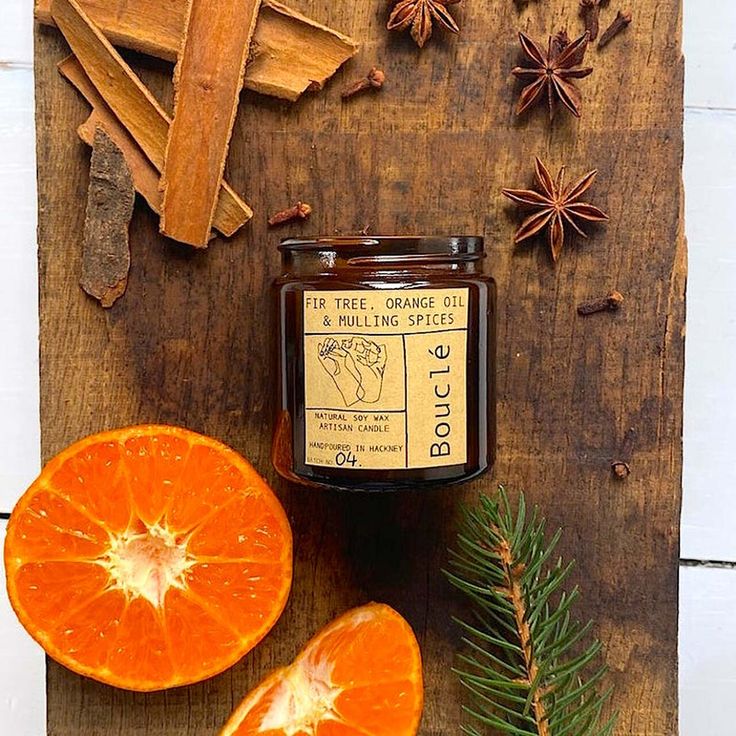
x,y
386,361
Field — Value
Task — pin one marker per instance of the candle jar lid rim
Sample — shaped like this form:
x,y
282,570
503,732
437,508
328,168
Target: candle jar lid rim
x,y
389,245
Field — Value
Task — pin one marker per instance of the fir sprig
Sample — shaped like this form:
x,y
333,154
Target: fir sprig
x,y
530,664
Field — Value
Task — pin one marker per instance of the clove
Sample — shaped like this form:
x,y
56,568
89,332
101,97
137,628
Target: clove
x,y
610,303
591,10
621,21
300,211
375,79
560,41
621,467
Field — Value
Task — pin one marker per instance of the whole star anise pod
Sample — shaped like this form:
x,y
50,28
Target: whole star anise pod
x,y
555,205
554,71
419,14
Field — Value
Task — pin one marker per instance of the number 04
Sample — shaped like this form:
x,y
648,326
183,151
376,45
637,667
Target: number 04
x,y
345,458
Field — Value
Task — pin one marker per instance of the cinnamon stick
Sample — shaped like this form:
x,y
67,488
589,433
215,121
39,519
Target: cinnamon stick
x,y
110,199
295,52
145,176
132,103
208,79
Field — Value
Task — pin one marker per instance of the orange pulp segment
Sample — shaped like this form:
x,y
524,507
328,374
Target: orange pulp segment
x,y
359,676
148,557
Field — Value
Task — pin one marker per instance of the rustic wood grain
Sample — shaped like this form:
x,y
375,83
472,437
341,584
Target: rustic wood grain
x,y
190,342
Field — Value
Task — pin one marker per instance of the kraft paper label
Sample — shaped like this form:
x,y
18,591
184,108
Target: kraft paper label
x,y
385,378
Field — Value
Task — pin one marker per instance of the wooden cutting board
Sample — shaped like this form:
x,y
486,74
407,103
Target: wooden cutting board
x,y
190,343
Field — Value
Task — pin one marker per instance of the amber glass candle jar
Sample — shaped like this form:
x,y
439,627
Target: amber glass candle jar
x,y
386,360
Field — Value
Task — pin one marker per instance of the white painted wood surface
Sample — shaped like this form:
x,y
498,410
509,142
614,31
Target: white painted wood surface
x,y
708,595
22,663
709,475
16,32
709,497
19,425
707,651
709,43
22,674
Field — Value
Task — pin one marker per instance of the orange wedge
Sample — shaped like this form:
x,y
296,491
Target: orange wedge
x,y
359,676
148,557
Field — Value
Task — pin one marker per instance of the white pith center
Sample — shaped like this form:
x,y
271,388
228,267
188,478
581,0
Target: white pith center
x,y
146,564
301,701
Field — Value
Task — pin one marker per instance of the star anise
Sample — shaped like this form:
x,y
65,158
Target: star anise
x,y
556,204
554,71
419,14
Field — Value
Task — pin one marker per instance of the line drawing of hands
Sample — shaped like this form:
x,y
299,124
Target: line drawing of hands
x,y
369,359
340,365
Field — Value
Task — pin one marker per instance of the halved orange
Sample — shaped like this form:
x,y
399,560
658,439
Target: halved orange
x,y
148,557
359,676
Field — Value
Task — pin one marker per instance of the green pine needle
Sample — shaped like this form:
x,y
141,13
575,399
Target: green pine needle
x,y
529,664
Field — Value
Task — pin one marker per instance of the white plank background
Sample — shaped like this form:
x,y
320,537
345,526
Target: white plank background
x,y
708,592
22,665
